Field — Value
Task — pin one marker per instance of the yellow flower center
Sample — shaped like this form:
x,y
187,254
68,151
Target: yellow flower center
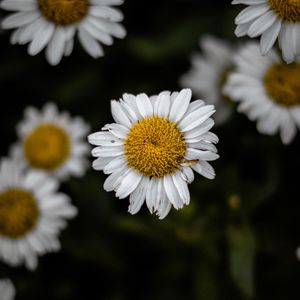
x,y
18,213
47,147
282,83
155,147
64,12
287,10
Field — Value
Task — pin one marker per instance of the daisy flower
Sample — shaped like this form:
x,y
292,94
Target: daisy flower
x,y
32,213
7,290
153,148
54,23
52,142
268,91
208,74
272,19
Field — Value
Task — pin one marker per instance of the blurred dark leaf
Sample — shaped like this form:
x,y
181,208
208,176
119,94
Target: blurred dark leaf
x,y
242,246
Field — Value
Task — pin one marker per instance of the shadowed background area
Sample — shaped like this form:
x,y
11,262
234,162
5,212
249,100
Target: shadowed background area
x,y
236,240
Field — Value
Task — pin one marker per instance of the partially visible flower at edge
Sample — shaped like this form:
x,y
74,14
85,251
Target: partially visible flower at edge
x,y
54,24
208,74
272,20
268,91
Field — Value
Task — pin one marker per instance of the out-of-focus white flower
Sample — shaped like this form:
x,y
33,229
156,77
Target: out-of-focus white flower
x,y
154,147
272,19
268,91
7,290
52,142
32,213
54,24
298,253
208,75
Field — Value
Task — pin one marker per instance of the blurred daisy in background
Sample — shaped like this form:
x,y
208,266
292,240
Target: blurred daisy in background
x,y
208,74
268,91
154,147
7,290
272,19
52,142
298,253
53,24
32,213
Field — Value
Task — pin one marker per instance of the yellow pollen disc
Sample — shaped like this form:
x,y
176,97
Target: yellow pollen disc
x,y
287,10
64,12
282,83
155,147
47,147
18,213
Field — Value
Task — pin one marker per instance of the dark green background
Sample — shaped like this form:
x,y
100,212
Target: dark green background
x,y
205,251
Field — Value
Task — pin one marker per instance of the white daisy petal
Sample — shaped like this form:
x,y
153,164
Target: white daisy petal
x,y
162,105
172,192
114,165
144,105
118,130
269,37
152,194
196,118
180,105
114,180
41,39
118,114
164,206
104,139
56,46
288,128
137,198
19,19
187,174
15,5
101,162
105,12
201,155
92,28
182,188
250,13
204,169
128,185
107,2
262,24
90,44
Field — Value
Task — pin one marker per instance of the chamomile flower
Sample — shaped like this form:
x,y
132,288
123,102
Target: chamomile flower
x,y
55,23
154,147
272,19
268,91
32,213
208,74
52,142
7,290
